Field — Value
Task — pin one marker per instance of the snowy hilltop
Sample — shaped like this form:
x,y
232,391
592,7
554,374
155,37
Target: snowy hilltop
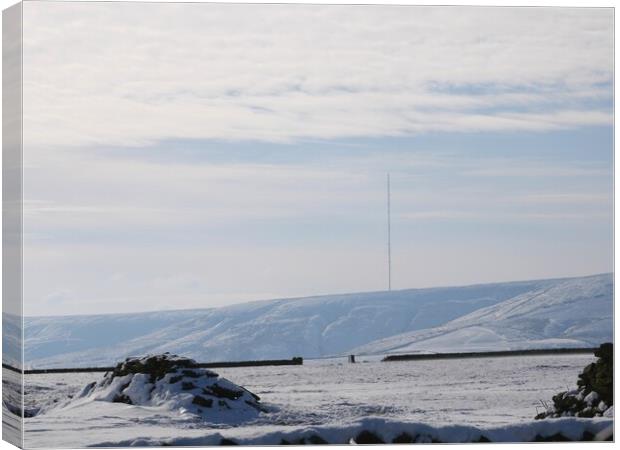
x,y
574,312
172,383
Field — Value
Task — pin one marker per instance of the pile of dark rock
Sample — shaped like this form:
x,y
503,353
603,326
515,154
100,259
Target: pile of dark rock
x,y
174,383
594,394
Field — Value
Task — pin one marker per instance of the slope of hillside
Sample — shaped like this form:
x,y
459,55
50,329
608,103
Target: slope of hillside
x,y
308,327
11,339
575,312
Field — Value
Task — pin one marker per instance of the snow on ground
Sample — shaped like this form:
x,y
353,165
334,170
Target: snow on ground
x,y
389,431
450,400
575,312
11,406
314,326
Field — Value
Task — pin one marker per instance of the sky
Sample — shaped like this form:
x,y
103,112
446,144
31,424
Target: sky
x,y
198,155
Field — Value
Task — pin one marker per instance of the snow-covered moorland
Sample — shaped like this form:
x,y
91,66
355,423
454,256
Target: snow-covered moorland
x,y
325,399
448,400
574,312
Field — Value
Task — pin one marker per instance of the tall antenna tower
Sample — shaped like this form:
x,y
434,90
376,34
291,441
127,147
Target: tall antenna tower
x,y
389,235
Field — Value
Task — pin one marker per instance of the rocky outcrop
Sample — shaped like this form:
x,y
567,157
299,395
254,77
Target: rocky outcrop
x,y
594,395
173,382
598,377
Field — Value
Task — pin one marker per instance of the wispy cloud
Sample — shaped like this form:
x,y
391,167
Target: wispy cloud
x,y
569,198
131,74
487,217
537,170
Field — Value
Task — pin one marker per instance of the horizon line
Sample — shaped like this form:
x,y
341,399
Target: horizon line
x,y
314,296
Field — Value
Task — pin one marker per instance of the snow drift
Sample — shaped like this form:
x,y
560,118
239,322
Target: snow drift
x,y
377,431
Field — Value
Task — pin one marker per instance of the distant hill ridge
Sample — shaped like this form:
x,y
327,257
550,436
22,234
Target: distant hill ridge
x,y
570,312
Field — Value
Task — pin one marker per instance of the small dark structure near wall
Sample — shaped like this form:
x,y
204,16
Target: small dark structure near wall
x,y
351,358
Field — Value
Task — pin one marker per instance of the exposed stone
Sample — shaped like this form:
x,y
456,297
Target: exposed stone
x,y
558,437
201,401
315,439
188,386
311,440
594,395
598,376
222,392
368,437
156,366
122,399
403,438
176,383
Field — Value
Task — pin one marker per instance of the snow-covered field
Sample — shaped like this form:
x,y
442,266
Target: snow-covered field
x,y
11,406
449,400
